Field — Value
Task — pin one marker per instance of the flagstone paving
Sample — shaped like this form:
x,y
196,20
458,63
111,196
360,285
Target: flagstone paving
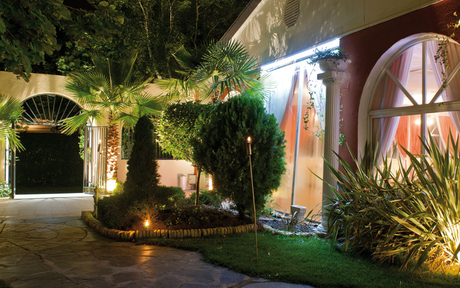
x,y
61,251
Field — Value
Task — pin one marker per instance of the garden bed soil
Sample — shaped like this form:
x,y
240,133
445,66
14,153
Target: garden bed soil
x,y
192,217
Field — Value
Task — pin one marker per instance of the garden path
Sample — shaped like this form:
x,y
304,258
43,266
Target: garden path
x,y
44,243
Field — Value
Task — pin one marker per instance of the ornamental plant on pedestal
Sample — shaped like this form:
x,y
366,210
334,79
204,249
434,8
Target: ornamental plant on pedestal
x,y
331,59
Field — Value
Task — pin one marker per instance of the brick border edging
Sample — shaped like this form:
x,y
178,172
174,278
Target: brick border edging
x,y
97,226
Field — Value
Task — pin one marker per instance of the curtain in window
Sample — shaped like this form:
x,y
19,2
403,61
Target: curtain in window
x,y
283,80
452,91
308,190
283,104
389,95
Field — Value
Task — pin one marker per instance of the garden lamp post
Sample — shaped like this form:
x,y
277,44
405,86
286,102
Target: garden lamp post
x,y
249,141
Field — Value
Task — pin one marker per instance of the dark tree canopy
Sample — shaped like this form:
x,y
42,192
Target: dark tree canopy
x,y
28,32
59,39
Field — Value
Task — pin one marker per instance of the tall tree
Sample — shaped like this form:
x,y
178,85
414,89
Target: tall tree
x,y
177,131
110,89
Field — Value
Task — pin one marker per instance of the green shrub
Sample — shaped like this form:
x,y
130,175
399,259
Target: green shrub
x,y
211,198
221,149
177,129
411,215
113,212
167,196
5,190
118,212
119,188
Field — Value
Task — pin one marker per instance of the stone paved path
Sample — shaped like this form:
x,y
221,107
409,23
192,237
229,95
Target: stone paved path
x,y
64,252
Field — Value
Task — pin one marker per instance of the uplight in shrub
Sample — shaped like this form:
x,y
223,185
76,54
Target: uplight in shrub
x,y
210,187
146,224
111,185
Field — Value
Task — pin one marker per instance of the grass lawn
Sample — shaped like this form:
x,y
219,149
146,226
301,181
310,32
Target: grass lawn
x,y
303,260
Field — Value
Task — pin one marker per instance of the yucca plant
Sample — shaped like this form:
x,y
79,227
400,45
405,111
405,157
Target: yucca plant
x,y
411,214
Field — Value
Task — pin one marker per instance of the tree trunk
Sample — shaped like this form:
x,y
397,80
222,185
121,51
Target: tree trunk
x,y
113,140
197,193
146,27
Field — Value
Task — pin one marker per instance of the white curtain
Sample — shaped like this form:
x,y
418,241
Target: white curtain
x,y
283,80
452,91
389,95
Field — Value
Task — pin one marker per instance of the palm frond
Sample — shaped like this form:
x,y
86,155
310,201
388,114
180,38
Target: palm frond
x,y
72,124
10,111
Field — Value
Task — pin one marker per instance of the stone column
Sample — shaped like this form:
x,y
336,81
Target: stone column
x,y
333,80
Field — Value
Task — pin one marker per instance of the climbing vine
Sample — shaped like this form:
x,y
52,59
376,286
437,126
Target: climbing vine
x,y
441,55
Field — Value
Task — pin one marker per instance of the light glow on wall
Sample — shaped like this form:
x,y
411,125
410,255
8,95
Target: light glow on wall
x,y
300,56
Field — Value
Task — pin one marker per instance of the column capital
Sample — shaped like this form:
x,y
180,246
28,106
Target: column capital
x,y
334,77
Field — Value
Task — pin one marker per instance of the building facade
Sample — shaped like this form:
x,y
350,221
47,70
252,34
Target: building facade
x,y
395,90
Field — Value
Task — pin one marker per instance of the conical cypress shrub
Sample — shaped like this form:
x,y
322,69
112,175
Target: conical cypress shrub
x,y
142,178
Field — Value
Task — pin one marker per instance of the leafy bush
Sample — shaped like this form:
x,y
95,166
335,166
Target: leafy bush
x,y
221,149
411,215
119,188
113,212
118,212
167,196
177,130
211,198
5,190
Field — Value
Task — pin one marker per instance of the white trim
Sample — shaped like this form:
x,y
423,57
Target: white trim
x,y
56,195
414,110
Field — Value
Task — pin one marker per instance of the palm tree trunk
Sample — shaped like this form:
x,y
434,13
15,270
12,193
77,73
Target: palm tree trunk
x,y
113,140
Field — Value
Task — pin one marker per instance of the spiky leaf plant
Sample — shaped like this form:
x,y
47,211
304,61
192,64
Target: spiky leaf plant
x,y
407,214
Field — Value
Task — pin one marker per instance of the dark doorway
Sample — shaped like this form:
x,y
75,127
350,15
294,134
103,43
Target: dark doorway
x,y
50,163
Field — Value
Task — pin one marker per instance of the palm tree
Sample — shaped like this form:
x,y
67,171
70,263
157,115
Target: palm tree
x,y
225,67
10,111
110,89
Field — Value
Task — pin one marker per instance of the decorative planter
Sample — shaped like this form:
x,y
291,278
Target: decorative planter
x,y
338,65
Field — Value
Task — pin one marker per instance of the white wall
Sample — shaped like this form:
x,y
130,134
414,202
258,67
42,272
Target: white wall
x,y
265,35
168,170
38,84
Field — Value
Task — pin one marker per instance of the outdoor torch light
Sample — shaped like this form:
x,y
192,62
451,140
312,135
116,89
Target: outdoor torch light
x,y
249,141
146,224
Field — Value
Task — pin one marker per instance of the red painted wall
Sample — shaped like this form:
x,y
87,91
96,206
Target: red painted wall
x,y
368,45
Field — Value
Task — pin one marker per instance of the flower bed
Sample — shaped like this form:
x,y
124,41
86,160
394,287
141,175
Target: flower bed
x,y
121,235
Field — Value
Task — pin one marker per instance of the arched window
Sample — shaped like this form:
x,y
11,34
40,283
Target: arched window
x,y
412,95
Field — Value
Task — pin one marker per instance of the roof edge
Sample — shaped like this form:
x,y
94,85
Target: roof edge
x,y
242,17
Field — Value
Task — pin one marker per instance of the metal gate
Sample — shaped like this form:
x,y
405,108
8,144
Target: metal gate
x,y
95,159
